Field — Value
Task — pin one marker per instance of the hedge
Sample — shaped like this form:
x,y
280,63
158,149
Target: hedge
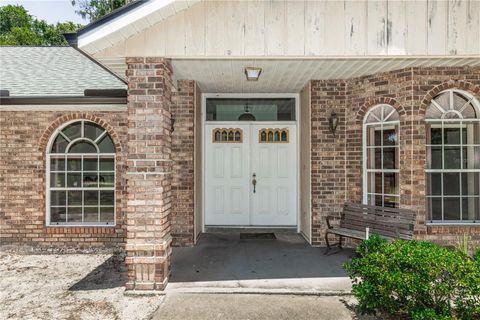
x,y
415,280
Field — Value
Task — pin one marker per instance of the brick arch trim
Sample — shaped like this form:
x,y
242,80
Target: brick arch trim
x,y
42,146
452,84
376,101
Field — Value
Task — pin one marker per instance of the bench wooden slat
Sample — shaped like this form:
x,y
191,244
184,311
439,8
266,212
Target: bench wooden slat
x,y
348,233
377,208
375,217
394,215
353,234
365,207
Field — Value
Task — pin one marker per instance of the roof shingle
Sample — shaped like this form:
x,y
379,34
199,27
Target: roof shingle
x,y
51,71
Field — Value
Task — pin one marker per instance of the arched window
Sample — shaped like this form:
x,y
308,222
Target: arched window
x,y
453,158
381,157
81,176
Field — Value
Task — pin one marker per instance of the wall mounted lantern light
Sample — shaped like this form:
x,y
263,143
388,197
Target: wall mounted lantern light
x,y
252,73
333,122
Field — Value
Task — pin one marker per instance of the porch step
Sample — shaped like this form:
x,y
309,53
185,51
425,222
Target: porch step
x,y
301,286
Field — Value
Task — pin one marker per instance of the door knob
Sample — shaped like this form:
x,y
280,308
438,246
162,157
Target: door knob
x,y
254,181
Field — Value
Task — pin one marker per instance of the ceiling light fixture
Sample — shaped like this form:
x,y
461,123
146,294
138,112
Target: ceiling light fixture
x,y
252,73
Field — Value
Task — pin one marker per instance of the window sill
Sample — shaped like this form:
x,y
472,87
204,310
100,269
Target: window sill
x,y
452,224
62,229
66,225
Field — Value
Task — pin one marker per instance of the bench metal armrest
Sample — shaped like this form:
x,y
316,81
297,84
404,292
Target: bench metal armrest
x,y
329,225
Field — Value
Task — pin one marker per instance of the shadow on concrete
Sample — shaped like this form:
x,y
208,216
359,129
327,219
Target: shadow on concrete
x,y
110,274
223,256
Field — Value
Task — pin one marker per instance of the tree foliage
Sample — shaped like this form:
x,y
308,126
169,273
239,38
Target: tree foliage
x,y
18,27
95,9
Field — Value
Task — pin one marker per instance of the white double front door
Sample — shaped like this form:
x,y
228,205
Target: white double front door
x,y
238,154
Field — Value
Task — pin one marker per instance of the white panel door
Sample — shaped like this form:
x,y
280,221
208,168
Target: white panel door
x,y
274,202
230,197
227,175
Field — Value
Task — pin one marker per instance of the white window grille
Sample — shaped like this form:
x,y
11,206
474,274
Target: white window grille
x,y
453,158
381,151
80,176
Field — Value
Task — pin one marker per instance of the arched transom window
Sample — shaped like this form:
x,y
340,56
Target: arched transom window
x,y
381,156
81,176
453,158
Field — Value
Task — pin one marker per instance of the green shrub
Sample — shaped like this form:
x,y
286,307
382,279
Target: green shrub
x,y
476,256
416,279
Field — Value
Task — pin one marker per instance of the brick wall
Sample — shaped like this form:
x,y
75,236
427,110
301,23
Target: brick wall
x,y
327,154
409,91
23,141
183,164
149,171
336,161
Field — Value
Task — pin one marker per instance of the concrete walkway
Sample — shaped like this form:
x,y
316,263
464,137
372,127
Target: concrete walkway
x,y
223,263
224,277
253,306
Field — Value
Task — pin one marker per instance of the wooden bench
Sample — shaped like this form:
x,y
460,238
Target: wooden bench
x,y
388,223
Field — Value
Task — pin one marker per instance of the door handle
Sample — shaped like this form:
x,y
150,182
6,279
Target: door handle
x,y
254,181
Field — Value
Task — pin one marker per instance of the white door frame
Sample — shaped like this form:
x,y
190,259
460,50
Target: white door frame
x,y
296,96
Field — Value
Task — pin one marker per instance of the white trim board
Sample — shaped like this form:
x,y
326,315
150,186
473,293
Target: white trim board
x,y
130,23
296,96
65,107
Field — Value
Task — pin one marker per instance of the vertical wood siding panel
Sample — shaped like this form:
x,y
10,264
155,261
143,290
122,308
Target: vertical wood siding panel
x,y
295,12
457,22
472,32
135,44
314,27
176,35
214,28
416,39
377,27
437,27
275,27
155,40
396,27
117,50
335,28
255,28
323,27
195,30
355,27
235,27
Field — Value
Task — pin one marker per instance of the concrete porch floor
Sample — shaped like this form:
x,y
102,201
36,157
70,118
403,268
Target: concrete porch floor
x,y
222,262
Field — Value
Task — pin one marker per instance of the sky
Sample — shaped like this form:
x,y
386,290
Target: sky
x,y
52,11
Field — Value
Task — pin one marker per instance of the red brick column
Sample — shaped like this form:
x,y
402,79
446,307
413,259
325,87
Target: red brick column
x,y
148,173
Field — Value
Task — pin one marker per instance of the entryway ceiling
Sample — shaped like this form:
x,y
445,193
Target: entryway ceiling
x,y
287,75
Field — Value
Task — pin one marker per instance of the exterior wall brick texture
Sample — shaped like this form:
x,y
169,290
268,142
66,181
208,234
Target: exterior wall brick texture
x,y
337,163
160,189
149,173
23,141
183,183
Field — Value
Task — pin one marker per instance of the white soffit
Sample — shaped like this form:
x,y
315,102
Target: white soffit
x,y
287,75
130,23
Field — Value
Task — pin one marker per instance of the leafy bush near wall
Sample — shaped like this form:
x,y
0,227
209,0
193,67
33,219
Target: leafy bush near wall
x,y
415,279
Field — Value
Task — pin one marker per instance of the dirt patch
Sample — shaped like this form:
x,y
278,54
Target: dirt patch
x,y
68,286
